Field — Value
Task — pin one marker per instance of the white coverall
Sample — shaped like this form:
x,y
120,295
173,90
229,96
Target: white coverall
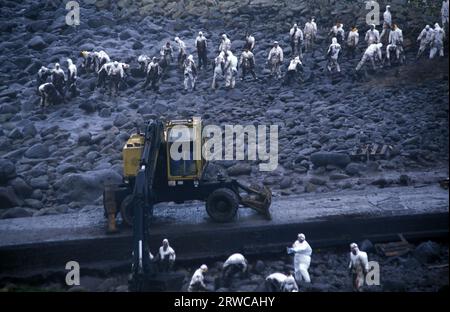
x,y
296,40
333,53
275,58
197,281
218,68
425,38
395,41
309,32
275,281
437,44
359,266
231,72
190,73
101,58
169,252
372,36
372,53
225,45
289,284
302,260
236,259
387,17
353,38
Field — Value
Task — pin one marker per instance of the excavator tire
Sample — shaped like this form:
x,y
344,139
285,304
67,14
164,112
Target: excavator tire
x,y
222,205
126,210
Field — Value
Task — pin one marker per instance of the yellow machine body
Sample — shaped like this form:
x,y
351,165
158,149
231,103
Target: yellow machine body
x,y
132,155
191,169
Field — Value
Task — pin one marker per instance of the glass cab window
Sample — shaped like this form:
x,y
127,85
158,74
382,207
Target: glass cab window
x,y
186,166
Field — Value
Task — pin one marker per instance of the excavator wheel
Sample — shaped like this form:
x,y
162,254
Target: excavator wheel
x,y
126,210
222,205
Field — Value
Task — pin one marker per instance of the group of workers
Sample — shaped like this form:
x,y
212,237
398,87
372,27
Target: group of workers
x,y
226,64
237,266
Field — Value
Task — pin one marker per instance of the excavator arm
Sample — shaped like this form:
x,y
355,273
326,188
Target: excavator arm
x,y
142,266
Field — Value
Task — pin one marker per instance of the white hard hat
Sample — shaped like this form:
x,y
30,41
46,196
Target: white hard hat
x,y
204,267
353,245
388,7
301,235
177,38
56,65
275,42
165,241
200,33
295,25
190,57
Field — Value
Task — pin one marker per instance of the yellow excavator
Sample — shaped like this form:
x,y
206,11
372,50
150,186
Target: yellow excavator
x,y
152,176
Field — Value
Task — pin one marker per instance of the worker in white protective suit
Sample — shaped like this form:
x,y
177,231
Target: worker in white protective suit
x,y
352,41
289,284
190,73
358,266
236,264
116,74
338,32
225,44
372,53
153,74
296,35
310,35
72,78
166,256
302,258
425,38
198,279
201,44
275,59
437,44
100,59
249,42
59,80
333,55
247,64
387,16
42,76
219,64
395,45
275,281
295,70
49,95
230,69
181,51
372,35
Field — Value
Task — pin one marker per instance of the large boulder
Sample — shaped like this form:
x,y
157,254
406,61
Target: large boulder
x,y
427,252
7,170
8,198
239,169
320,159
21,187
38,150
37,43
88,186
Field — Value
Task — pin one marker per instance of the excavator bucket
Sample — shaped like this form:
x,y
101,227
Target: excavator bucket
x,y
258,198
